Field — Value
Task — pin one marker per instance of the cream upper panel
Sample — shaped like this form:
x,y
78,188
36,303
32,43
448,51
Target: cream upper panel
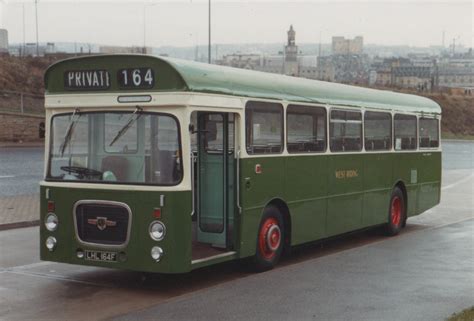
x,y
110,100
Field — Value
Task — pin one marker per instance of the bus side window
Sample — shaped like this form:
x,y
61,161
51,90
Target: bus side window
x,y
377,131
264,128
429,133
345,131
306,129
404,132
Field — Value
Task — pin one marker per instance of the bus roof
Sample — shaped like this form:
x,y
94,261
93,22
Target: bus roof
x,y
182,75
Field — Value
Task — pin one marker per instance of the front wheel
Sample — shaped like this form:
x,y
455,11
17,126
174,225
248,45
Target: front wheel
x,y
396,213
270,239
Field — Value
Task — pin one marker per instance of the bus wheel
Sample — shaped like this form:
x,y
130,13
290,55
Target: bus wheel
x,y
396,213
270,239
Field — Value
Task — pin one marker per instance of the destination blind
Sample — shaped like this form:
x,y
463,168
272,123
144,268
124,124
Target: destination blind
x,y
130,78
86,80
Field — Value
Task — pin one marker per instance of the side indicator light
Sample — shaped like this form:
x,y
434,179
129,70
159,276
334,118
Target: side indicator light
x,y
51,206
258,169
157,213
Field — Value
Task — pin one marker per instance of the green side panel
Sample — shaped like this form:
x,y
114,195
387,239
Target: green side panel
x,y
406,168
345,193
429,177
305,194
256,191
332,194
183,75
175,216
378,188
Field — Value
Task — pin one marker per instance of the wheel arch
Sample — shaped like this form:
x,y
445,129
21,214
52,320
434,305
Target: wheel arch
x,y
400,184
281,205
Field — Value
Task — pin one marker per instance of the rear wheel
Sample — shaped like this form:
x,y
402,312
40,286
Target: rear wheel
x,y
396,213
269,239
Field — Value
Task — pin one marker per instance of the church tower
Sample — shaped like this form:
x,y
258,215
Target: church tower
x,y
290,66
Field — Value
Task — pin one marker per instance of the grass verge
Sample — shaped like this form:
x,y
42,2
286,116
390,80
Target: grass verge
x,y
466,315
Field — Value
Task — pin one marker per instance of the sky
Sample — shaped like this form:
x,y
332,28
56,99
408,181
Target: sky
x,y
185,22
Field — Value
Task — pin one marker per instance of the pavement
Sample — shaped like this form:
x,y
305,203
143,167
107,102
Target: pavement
x,y
21,170
19,211
21,144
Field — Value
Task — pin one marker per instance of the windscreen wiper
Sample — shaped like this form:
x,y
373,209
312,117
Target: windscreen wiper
x,y
123,130
70,130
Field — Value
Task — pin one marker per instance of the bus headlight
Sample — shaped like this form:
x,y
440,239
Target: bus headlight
x,y
51,222
156,253
51,243
157,230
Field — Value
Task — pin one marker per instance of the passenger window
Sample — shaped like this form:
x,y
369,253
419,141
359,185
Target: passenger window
x,y
264,128
404,132
377,131
429,133
306,129
345,131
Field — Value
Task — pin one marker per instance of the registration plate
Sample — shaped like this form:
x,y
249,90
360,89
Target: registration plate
x,y
101,256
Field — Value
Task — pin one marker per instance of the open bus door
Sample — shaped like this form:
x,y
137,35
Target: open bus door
x,y
215,178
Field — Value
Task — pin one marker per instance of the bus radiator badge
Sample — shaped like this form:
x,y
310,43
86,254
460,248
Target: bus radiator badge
x,y
101,222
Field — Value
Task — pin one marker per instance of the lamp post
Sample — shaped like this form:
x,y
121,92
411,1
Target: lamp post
x,y
145,5
24,41
209,45
37,41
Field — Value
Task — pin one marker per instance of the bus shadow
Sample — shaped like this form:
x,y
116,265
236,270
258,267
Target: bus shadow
x,y
171,285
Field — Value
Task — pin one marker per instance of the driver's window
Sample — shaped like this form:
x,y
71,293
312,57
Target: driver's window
x,y
113,123
77,150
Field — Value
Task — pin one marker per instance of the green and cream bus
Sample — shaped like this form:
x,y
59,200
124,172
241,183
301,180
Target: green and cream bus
x,y
162,165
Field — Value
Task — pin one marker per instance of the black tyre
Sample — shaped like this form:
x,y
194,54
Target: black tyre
x,y
396,213
270,239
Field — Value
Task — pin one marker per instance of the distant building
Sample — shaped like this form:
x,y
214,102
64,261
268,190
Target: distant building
x,y
124,50
290,66
243,61
342,46
455,77
384,70
416,77
288,62
352,69
3,41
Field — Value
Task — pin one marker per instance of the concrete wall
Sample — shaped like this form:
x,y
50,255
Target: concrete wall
x,y
20,127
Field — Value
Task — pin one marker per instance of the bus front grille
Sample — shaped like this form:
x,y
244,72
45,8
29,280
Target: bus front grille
x,y
102,223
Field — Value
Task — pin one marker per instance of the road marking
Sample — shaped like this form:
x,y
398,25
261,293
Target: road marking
x,y
59,278
7,176
465,179
27,266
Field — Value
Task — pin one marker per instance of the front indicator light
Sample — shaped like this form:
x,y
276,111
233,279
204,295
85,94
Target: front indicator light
x,y
51,243
157,230
51,222
156,253
80,254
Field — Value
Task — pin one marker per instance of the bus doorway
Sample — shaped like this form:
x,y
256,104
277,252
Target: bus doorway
x,y
214,177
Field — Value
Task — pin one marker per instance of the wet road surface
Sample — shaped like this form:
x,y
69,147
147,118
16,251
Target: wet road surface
x,y
419,276
21,170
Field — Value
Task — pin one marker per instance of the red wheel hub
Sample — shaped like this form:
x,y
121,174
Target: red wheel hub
x,y
269,238
396,211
